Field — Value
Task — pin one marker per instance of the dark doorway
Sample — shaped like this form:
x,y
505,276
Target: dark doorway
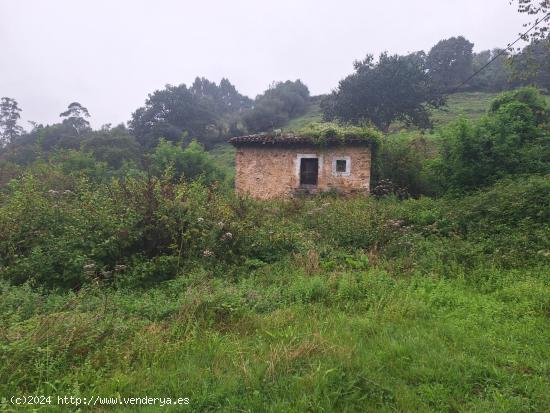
x,y
309,169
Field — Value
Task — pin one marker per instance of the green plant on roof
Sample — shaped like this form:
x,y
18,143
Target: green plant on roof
x,y
322,131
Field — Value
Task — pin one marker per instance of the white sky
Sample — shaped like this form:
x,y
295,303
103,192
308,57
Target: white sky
x,y
109,54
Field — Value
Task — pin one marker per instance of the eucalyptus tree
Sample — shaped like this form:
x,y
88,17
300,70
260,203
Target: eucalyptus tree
x,y
9,117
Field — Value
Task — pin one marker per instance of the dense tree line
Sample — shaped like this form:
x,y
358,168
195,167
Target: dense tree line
x,y
205,111
405,88
380,91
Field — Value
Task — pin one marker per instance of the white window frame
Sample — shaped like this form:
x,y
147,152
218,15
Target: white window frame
x,y
347,172
308,155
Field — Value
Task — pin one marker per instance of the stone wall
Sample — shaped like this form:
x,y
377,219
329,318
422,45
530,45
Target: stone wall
x,y
274,171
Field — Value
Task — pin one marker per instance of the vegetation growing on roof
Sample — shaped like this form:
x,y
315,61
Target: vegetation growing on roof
x,y
325,131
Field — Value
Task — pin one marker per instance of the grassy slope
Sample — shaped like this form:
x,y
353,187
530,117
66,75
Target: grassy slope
x,y
472,105
281,340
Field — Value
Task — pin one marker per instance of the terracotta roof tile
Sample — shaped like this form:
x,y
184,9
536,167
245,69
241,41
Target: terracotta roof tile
x,y
291,139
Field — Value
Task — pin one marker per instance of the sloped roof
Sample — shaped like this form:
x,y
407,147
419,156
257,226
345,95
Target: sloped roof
x,y
294,139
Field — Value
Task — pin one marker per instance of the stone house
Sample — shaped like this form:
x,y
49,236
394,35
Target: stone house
x,y
285,165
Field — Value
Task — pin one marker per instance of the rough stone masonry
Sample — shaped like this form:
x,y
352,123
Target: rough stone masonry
x,y
276,166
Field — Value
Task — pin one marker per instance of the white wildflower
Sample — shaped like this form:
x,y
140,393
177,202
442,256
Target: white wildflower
x,y
227,236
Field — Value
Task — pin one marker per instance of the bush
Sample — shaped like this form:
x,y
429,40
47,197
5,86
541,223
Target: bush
x,y
514,138
400,166
189,163
77,232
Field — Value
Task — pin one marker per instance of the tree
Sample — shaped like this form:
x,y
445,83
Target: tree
x,y
203,111
541,10
9,116
400,163
449,62
171,113
221,99
279,103
494,77
191,163
114,146
75,116
532,65
514,138
392,88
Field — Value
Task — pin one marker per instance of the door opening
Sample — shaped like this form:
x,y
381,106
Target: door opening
x,y
309,170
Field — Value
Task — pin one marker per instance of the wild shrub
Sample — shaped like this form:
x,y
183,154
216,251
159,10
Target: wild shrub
x,y
55,235
191,162
400,166
68,237
511,219
513,138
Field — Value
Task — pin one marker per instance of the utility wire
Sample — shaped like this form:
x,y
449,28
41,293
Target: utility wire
x,y
522,36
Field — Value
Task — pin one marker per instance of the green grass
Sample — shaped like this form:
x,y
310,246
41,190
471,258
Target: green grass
x,y
281,340
313,115
321,305
445,310
224,155
471,105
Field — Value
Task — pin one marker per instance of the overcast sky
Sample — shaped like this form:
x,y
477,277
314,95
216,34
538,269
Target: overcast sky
x,y
109,54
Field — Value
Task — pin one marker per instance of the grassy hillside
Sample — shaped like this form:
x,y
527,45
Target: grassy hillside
x,y
471,105
313,114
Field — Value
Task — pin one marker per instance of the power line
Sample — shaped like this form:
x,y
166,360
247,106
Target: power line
x,y
522,36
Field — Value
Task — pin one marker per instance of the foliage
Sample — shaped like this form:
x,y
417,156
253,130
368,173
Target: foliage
x,y
77,163
277,105
223,156
358,304
392,88
494,76
114,146
540,9
9,116
449,62
400,165
512,139
74,232
223,98
75,117
327,130
189,163
531,65
170,113
198,111
44,140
